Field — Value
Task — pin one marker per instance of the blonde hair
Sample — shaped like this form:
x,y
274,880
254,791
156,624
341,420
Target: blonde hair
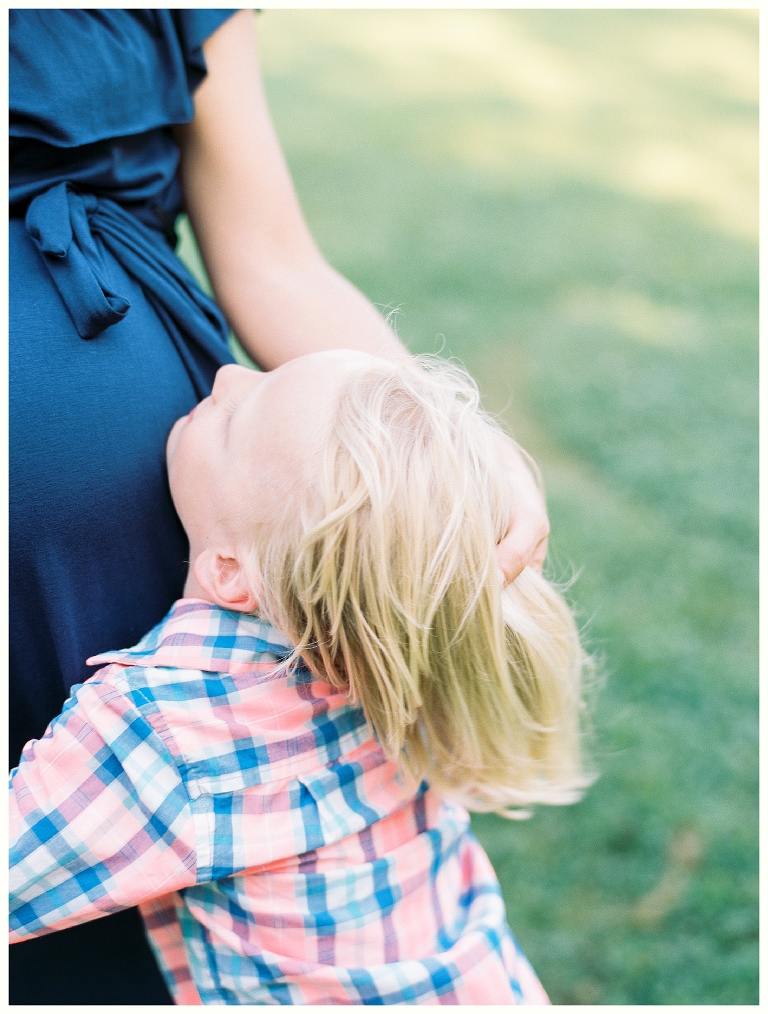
x,y
382,570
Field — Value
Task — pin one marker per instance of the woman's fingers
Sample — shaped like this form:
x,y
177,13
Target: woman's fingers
x,y
525,543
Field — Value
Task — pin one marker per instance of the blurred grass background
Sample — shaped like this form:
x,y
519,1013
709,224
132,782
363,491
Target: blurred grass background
x,y
567,202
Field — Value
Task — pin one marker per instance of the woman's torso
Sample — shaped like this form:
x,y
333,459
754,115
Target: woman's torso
x,y
97,553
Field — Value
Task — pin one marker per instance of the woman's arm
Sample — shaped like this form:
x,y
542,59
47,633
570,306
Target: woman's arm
x,y
279,294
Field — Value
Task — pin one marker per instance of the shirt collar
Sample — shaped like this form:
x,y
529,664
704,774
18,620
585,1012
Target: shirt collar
x,y
199,635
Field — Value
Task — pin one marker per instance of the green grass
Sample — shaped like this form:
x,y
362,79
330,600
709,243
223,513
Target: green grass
x,y
567,201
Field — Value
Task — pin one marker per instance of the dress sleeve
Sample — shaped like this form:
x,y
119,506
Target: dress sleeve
x,y
100,819
194,26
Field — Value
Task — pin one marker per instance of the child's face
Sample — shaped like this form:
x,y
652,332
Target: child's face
x,y
229,459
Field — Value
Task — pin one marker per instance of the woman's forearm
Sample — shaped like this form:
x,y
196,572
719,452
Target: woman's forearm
x,y
280,312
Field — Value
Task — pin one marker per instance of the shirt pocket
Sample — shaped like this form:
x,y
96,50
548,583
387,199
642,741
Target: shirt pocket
x,y
338,797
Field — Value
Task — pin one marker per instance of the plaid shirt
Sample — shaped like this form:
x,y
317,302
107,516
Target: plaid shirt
x,y
277,855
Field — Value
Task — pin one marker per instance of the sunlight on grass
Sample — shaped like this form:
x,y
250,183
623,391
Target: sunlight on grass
x,y
632,314
626,104
719,53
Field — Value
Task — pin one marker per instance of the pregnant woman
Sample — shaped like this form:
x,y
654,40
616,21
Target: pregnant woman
x,y
119,120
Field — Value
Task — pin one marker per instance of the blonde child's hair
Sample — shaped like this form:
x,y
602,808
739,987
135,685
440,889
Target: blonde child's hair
x,y
382,570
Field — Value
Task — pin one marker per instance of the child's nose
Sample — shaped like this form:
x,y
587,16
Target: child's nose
x,y
232,378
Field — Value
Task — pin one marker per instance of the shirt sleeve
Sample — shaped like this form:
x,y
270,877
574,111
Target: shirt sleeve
x,y
100,819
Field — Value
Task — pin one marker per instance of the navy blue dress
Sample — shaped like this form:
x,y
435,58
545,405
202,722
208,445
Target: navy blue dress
x,y
111,340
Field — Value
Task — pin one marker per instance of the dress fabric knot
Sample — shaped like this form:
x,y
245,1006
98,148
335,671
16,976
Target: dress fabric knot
x,y
62,223
57,222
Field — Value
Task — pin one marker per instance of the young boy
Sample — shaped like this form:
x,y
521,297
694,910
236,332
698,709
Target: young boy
x,y
276,772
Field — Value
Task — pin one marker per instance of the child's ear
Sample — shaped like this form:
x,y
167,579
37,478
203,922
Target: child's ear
x,y
224,579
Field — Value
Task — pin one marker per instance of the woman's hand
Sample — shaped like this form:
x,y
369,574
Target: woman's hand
x,y
525,544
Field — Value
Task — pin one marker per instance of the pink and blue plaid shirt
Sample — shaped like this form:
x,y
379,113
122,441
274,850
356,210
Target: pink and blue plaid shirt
x,y
277,855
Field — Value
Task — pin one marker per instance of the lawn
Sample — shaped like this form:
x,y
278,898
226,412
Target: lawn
x,y
567,202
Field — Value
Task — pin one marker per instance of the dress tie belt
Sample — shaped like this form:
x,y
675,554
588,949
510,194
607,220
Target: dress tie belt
x,y
57,221
62,223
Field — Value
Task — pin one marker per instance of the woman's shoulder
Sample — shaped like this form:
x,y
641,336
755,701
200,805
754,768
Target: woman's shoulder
x,y
79,76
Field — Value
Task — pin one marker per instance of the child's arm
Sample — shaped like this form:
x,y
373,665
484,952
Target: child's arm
x,y
99,817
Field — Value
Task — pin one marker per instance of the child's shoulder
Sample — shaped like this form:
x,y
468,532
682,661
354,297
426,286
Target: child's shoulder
x,y
211,683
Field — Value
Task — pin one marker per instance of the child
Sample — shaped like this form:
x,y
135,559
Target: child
x,y
278,772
